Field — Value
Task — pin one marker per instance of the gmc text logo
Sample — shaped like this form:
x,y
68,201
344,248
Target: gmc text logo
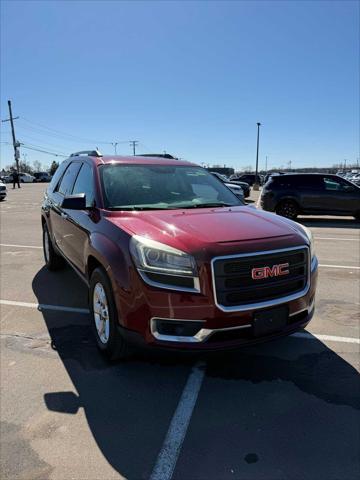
x,y
266,272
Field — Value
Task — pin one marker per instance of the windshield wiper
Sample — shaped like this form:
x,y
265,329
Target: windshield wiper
x,y
209,205
134,208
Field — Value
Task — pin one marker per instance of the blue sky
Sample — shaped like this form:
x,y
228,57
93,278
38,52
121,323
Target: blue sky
x,y
191,78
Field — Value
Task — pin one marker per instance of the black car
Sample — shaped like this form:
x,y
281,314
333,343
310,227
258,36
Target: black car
x,y
291,195
248,178
244,186
41,177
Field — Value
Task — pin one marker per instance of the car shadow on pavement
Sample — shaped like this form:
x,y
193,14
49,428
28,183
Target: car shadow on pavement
x,y
329,222
129,405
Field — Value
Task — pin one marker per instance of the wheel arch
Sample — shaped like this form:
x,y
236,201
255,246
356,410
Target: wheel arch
x,y
288,198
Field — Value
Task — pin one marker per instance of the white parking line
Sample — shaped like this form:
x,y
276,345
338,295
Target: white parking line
x,y
330,338
170,450
338,238
167,458
18,246
338,266
43,306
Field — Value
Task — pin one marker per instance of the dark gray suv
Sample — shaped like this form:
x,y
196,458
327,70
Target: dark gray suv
x,y
291,195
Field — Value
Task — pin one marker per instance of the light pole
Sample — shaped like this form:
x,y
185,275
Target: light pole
x,y
256,183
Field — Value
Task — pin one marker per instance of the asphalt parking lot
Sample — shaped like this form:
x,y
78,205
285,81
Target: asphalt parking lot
x,y
283,410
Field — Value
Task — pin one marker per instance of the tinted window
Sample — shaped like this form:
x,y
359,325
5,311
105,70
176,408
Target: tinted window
x,y
57,175
162,187
334,184
297,181
85,184
68,179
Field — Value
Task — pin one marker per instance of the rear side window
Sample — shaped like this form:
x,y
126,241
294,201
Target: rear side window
x,y
85,184
305,182
68,179
335,184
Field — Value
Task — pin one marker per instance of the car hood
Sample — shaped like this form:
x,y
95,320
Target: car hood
x,y
192,229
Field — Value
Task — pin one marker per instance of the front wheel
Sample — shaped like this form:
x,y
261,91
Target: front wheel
x,y
104,317
287,209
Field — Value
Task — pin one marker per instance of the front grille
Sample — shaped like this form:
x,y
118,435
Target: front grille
x,y
235,287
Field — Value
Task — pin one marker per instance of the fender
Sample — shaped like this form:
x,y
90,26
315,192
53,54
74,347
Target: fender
x,y
115,259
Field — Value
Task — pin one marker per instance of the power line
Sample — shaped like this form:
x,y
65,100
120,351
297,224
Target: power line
x,y
34,147
55,132
26,137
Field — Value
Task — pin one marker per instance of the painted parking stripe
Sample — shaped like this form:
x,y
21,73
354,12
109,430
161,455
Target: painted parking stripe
x,y
340,239
18,246
338,266
330,338
43,306
167,459
170,450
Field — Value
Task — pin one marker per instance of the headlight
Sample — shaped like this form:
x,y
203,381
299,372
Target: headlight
x,y
164,266
310,237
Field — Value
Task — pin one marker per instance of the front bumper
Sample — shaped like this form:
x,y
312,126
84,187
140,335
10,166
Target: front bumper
x,y
206,327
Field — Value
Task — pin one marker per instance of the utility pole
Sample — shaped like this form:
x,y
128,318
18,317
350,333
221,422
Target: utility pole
x,y
16,144
115,144
256,184
266,163
134,143
345,164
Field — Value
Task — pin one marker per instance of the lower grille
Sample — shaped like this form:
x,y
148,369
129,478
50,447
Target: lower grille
x,y
235,286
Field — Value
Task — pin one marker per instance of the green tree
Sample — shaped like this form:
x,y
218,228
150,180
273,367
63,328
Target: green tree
x,y
53,167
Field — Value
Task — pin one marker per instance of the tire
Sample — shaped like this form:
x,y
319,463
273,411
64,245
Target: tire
x,y
288,209
53,261
104,317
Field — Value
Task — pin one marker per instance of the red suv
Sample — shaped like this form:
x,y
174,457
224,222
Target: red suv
x,y
172,257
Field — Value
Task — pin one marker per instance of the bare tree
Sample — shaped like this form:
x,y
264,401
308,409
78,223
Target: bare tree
x,y
37,166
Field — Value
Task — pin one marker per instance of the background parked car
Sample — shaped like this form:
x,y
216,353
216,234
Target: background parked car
x,y
42,177
3,191
7,179
245,186
26,178
234,187
310,194
248,178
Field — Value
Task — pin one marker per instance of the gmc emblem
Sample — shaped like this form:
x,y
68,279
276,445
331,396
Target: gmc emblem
x,y
266,272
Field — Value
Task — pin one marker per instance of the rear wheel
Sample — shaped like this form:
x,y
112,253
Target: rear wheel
x,y
105,317
288,209
53,261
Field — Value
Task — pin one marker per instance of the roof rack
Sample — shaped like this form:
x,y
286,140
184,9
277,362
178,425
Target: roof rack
x,y
88,153
161,155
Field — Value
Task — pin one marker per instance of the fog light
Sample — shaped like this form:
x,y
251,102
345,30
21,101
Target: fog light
x,y
177,328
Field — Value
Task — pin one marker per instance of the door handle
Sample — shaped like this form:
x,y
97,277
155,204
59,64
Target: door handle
x,y
64,215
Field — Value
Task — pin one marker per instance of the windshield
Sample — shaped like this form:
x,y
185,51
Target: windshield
x,y
149,187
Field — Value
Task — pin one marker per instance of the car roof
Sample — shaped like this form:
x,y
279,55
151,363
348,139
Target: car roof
x,y
136,160
309,174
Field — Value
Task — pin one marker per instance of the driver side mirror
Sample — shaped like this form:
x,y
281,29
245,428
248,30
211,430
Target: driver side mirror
x,y
75,202
348,188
